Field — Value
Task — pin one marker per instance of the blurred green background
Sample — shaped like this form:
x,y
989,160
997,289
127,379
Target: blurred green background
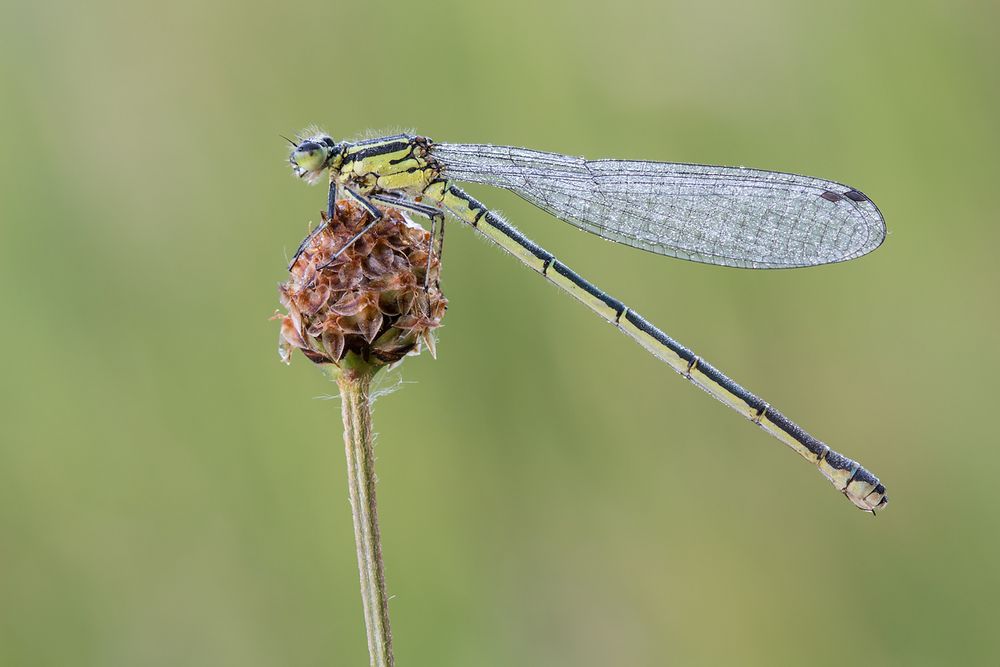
x,y
170,494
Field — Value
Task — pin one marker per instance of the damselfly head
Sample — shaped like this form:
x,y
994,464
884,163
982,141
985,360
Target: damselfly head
x,y
311,156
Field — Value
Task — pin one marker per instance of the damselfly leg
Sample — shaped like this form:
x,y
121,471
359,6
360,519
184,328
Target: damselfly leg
x,y
433,214
331,203
376,215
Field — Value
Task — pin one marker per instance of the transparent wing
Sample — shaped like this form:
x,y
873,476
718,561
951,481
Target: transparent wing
x,y
718,215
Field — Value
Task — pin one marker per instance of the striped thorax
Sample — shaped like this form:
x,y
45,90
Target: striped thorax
x,y
397,164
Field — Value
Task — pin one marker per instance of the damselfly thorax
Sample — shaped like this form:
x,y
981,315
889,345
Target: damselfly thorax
x,y
399,164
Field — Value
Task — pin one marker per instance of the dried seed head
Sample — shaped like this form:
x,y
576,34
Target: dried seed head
x,y
370,300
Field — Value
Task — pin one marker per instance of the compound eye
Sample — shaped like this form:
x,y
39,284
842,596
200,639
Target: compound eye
x,y
310,155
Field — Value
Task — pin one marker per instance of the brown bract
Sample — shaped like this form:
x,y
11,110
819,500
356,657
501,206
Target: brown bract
x,y
371,300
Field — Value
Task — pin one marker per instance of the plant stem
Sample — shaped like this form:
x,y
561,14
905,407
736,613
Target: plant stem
x,y
354,381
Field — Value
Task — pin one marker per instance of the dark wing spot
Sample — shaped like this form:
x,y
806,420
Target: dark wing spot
x,y
854,195
830,195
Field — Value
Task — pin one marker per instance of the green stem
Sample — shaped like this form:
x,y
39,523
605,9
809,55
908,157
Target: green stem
x,y
354,380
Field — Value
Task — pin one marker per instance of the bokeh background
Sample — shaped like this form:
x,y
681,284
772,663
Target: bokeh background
x,y
550,495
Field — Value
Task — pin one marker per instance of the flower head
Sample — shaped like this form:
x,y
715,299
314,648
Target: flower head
x,y
375,300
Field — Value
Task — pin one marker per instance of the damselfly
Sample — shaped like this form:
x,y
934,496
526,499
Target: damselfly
x,y
731,216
